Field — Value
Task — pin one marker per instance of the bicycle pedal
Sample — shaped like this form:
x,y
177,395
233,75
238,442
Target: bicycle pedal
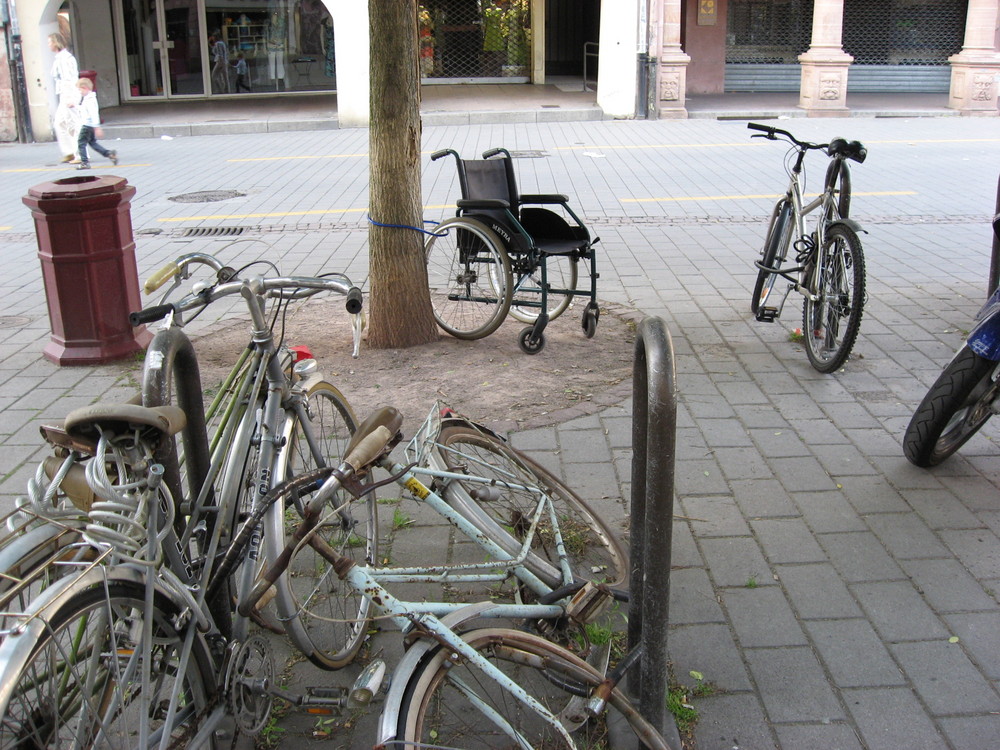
x,y
767,314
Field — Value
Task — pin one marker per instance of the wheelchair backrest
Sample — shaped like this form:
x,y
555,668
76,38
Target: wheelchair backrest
x,y
489,178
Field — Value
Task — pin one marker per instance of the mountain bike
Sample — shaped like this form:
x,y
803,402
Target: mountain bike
x,y
828,264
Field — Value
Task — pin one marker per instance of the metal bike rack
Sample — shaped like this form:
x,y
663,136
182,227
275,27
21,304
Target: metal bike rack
x,y
654,426
175,356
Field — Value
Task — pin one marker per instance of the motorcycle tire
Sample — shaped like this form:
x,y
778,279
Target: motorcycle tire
x,y
954,409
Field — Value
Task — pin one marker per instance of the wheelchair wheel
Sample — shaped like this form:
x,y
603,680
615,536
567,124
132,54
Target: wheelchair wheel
x,y
468,272
562,274
590,317
529,343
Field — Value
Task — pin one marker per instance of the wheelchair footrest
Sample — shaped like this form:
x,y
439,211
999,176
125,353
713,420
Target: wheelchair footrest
x,y
767,314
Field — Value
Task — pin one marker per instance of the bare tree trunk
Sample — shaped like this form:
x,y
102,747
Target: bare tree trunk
x,y
399,303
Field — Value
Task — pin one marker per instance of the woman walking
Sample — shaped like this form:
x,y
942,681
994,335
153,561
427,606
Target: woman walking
x,y
65,74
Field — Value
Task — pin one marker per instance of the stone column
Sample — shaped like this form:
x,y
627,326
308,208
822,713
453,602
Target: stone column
x,y
823,90
974,70
671,62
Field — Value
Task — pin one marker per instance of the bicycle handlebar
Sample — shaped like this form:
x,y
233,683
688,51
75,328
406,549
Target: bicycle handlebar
x,y
772,134
179,267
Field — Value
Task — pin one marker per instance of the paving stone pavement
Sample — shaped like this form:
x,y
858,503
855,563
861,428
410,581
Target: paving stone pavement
x,y
819,581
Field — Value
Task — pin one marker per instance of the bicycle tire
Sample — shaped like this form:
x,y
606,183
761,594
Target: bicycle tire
x,y
469,277
838,177
52,689
562,272
436,709
779,239
595,552
830,324
954,409
327,620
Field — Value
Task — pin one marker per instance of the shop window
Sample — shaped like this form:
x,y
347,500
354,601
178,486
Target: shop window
x,y
286,45
475,39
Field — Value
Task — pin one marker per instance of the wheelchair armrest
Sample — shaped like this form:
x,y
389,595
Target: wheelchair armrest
x,y
544,198
482,203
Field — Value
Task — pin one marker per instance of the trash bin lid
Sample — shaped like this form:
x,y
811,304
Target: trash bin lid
x,y
78,187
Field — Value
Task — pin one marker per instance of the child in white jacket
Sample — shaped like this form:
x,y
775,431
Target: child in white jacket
x,y
91,118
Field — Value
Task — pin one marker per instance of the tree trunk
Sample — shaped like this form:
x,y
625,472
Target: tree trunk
x,y
400,313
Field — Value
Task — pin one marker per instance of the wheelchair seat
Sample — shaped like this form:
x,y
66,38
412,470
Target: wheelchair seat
x,y
541,236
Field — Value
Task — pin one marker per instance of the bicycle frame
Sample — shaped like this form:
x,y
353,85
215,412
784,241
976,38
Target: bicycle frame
x,y
807,281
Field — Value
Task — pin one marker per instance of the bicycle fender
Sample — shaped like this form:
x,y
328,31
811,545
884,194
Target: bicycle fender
x,y
388,722
850,224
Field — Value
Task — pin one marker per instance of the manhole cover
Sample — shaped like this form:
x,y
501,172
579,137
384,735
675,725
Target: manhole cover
x,y
13,321
206,196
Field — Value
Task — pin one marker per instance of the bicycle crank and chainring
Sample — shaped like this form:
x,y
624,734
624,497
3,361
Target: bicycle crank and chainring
x,y
248,684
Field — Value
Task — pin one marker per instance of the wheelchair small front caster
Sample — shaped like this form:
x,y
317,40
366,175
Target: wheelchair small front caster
x,y
529,343
590,315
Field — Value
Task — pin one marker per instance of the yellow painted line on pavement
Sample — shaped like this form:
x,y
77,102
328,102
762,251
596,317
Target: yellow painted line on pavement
x,y
282,214
63,169
772,196
293,158
5,229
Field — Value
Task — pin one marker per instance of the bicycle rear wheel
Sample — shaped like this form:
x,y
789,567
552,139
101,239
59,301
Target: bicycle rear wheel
x,y
779,239
79,685
504,510
830,324
450,703
469,276
326,619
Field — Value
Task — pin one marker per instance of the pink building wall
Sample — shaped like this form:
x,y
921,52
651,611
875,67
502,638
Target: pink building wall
x,y
706,45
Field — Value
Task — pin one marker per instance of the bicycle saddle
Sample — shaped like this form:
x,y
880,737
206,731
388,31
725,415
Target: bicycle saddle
x,y
854,150
83,423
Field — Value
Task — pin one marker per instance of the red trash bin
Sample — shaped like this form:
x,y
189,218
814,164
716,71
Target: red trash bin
x,y
85,245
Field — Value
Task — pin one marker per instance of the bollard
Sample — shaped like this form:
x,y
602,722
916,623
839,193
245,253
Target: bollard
x,y
654,425
85,246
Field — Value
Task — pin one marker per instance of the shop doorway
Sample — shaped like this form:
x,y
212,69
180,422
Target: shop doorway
x,y
163,48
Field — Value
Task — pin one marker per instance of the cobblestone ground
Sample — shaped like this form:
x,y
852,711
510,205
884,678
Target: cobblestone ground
x,y
834,595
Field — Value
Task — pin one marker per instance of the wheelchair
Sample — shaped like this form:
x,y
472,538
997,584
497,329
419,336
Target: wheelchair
x,y
502,252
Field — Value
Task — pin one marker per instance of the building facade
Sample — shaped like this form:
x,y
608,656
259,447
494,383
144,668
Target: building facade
x,y
646,56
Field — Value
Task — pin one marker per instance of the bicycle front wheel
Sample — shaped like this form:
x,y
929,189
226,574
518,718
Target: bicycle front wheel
x,y
451,703
779,239
468,272
81,684
503,509
830,323
838,179
330,620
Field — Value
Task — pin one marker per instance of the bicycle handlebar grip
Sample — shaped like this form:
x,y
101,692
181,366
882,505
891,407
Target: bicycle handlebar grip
x,y
161,277
149,315
762,128
355,300
370,447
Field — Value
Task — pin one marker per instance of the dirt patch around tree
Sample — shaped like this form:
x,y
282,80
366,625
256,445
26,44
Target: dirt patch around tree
x,y
490,380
